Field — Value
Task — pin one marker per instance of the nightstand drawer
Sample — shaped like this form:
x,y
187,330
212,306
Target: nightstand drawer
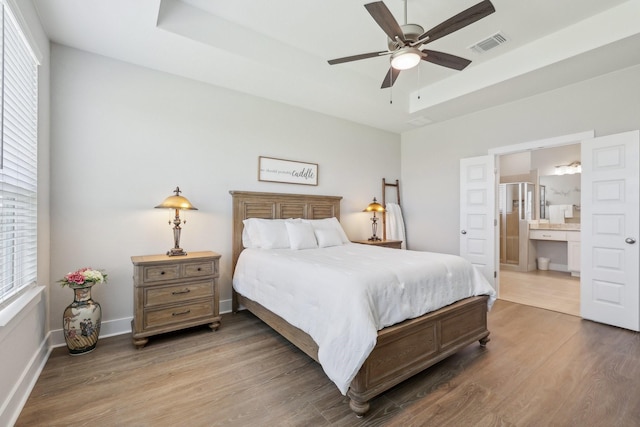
x,y
199,269
161,272
178,314
158,295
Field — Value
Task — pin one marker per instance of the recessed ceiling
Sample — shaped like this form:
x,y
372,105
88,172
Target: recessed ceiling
x,y
278,49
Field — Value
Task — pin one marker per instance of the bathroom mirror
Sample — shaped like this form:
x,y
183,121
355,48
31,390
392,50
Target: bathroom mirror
x,y
558,190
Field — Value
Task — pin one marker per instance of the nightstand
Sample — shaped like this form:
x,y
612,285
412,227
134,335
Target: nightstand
x,y
395,244
172,293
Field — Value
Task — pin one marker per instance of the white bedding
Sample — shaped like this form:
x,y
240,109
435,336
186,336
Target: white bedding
x,y
342,295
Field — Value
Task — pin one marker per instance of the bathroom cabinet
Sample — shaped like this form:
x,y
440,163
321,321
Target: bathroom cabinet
x,y
572,239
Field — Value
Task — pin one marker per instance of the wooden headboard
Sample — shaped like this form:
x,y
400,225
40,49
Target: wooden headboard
x,y
248,204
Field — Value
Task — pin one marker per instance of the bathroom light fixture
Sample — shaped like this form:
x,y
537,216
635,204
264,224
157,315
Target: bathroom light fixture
x,y
405,58
176,202
374,207
570,169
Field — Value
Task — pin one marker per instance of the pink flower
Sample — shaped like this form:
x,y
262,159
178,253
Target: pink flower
x,y
75,277
83,276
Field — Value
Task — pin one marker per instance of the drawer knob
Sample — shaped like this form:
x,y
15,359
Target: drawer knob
x,y
184,291
199,268
180,313
162,273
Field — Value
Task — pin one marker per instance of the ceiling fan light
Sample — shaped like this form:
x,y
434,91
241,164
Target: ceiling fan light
x,y
406,58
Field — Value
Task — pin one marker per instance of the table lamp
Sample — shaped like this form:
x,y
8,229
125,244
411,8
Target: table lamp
x,y
374,207
176,202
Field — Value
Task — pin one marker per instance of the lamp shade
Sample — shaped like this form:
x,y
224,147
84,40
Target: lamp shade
x,y
177,202
374,207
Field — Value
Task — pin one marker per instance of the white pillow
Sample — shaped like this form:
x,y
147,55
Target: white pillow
x,y
250,233
301,235
329,224
265,233
246,239
273,234
328,237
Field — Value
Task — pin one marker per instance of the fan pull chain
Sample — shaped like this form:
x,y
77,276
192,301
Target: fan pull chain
x,y
419,81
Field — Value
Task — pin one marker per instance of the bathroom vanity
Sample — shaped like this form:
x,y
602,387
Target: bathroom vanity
x,y
560,243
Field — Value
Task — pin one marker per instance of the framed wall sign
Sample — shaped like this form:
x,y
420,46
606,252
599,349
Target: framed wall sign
x,y
287,171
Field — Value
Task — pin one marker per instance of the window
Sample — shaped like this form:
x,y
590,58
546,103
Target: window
x,y
18,158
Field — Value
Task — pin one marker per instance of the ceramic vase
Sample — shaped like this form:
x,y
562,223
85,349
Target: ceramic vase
x,y
81,321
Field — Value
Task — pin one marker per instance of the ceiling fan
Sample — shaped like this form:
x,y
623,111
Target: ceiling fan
x,y
405,41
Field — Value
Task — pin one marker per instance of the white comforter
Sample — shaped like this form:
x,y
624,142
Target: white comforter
x,y
342,295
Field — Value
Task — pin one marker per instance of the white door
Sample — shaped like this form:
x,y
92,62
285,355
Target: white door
x,y
610,220
477,214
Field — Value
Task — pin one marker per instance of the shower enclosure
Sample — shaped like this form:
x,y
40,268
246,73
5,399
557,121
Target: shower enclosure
x,y
516,207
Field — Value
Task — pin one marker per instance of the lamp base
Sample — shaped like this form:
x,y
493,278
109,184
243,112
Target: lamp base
x,y
176,252
374,239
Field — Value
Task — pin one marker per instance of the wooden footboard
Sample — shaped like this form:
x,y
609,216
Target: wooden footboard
x,y
402,350
412,346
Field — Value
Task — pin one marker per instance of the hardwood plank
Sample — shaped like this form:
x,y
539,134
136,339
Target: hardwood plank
x,y
540,368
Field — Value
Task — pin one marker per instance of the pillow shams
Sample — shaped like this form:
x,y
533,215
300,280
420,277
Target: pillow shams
x,y
328,224
301,235
266,233
328,237
274,233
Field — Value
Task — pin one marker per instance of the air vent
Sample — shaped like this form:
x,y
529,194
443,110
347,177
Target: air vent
x,y
489,43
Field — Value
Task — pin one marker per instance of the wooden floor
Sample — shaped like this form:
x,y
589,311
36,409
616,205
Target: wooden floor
x,y
552,290
541,368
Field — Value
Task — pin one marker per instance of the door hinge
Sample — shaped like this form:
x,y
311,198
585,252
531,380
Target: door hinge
x,y
495,274
495,222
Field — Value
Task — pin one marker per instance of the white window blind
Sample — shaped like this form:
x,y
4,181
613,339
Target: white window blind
x,y
18,159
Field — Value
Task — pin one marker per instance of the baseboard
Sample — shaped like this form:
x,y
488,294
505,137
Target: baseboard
x,y
559,267
225,306
112,328
18,397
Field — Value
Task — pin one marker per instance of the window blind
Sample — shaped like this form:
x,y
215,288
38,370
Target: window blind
x,y
18,159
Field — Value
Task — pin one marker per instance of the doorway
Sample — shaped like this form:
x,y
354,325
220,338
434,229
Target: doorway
x,y
538,272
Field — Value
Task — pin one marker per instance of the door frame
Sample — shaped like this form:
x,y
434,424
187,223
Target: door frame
x,y
558,141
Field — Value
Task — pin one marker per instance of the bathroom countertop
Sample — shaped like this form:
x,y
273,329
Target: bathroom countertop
x,y
545,226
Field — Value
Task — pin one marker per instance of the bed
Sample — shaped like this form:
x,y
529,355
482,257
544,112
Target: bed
x,y
400,350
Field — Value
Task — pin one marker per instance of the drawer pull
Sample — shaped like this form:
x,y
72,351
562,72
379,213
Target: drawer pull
x,y
162,273
199,268
180,313
184,291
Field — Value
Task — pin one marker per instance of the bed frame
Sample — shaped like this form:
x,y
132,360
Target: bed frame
x,y
402,350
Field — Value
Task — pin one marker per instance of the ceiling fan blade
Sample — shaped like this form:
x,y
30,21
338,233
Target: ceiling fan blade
x,y
382,15
390,78
445,59
357,57
461,20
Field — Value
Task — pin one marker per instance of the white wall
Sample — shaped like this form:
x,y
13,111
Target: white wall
x,y
430,156
123,137
23,346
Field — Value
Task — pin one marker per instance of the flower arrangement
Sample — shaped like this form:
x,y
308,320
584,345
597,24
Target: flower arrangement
x,y
83,277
